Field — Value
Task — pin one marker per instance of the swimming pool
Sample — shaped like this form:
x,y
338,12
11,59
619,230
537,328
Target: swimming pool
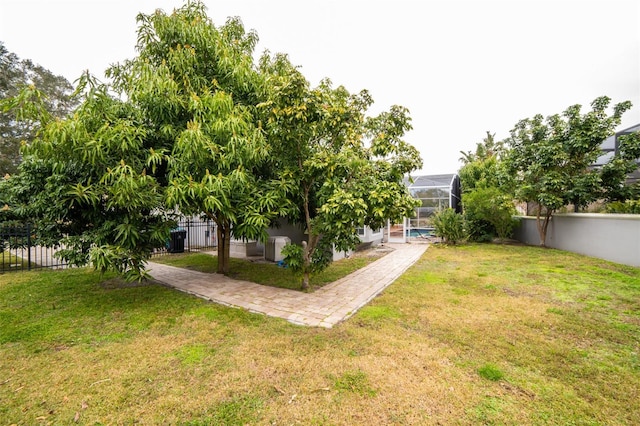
x,y
419,232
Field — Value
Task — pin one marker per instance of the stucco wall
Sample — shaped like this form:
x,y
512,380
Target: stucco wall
x,y
614,237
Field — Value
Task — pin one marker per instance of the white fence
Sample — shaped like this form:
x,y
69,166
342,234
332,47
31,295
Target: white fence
x,y
614,237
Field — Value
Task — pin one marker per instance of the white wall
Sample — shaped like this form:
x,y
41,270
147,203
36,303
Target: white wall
x,y
614,237
284,228
371,236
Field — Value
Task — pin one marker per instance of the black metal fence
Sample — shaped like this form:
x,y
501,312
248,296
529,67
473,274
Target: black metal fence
x,y
19,250
191,235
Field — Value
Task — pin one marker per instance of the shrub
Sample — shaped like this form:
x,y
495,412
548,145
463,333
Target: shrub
x,y
449,226
489,212
629,207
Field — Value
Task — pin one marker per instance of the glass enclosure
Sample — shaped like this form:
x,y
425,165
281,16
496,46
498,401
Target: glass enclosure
x,y
436,192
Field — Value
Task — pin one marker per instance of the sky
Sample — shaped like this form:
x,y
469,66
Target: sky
x,y
462,68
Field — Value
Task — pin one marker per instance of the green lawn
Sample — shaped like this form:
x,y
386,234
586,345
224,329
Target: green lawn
x,y
9,261
269,273
478,334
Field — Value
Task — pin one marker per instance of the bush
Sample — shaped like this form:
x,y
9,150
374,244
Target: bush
x,y
478,229
449,226
488,212
320,259
629,207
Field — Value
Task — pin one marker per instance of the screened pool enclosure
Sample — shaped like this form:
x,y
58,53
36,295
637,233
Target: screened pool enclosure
x,y
436,192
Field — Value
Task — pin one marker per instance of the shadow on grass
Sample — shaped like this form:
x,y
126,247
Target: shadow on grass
x,y
270,274
57,309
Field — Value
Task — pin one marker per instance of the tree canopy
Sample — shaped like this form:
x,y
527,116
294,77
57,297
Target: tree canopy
x,y
551,158
345,169
487,193
615,172
15,74
192,125
175,131
198,89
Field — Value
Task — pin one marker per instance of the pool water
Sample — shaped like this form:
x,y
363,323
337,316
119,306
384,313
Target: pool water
x,y
419,232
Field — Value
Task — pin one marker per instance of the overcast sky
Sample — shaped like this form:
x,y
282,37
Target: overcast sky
x,y
461,67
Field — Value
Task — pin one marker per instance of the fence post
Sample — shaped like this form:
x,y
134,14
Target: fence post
x,y
189,235
28,246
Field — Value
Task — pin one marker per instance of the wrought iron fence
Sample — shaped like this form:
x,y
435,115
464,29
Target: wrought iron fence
x,y
191,235
19,250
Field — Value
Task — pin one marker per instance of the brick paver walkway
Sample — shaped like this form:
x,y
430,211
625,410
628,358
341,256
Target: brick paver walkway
x,y
325,307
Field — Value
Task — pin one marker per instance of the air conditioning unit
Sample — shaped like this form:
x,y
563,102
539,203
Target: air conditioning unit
x,y
273,249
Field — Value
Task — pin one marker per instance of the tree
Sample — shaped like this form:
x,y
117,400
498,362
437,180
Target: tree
x,y
550,159
483,173
339,182
486,192
14,75
192,125
177,129
197,87
486,149
84,182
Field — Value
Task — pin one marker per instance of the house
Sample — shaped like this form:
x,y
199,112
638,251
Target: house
x,y
436,192
296,235
610,147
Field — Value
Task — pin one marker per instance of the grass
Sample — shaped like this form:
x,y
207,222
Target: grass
x,y
478,334
9,261
491,372
354,381
269,273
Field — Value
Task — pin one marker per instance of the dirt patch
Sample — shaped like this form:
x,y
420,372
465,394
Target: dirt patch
x,y
118,282
372,251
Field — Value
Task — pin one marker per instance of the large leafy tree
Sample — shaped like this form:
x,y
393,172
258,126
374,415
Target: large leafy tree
x,y
338,181
16,73
84,181
191,125
176,130
197,87
550,159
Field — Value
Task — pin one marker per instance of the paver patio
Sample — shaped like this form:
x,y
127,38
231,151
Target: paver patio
x,y
324,307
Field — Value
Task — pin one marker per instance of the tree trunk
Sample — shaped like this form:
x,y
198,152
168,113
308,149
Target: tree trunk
x,y
224,237
543,225
305,280
306,265
307,253
307,248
